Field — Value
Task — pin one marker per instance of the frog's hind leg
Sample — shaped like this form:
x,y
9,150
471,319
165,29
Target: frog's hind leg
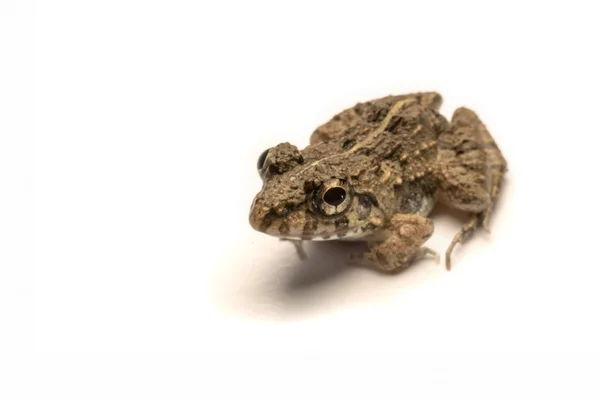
x,y
471,171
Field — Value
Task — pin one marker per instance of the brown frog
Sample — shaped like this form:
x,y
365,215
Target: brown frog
x,y
374,173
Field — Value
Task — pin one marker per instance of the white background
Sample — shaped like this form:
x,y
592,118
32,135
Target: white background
x,y
129,133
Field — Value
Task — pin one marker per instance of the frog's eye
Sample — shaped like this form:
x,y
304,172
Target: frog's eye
x,y
334,197
260,164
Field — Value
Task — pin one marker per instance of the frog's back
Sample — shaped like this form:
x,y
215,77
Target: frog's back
x,y
388,146
369,112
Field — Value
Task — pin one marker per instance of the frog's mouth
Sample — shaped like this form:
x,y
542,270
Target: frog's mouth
x,y
351,234
300,233
300,224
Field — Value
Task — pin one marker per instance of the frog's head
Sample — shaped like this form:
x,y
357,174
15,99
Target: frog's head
x,y
310,200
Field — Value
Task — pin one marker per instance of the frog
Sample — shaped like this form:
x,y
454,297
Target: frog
x,y
375,172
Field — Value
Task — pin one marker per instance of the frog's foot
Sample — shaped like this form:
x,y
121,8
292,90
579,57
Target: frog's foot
x,y
485,219
430,252
298,244
404,237
465,233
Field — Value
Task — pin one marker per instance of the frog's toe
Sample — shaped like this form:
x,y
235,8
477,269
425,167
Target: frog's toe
x,y
433,253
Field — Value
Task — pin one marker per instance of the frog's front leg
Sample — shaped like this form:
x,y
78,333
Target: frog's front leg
x,y
400,242
299,246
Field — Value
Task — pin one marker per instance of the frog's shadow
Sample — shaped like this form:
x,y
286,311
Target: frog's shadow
x,y
324,261
326,280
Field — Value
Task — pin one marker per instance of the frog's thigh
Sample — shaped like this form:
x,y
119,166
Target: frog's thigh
x,y
471,170
404,236
463,166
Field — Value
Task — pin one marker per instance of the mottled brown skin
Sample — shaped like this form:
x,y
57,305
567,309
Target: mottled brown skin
x,y
392,159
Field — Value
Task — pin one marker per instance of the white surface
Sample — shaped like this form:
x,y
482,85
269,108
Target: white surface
x,y
143,278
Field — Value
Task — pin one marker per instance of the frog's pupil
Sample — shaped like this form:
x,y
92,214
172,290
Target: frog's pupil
x,y
334,196
261,159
